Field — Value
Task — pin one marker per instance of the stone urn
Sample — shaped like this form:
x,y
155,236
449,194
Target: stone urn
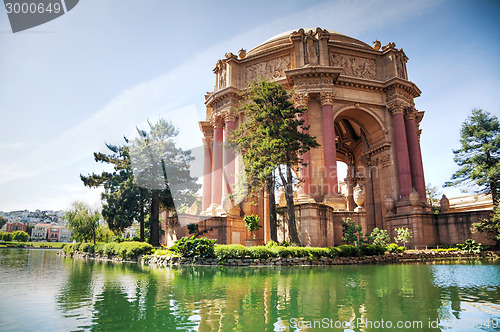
x,y
414,198
242,53
376,45
388,203
359,195
445,204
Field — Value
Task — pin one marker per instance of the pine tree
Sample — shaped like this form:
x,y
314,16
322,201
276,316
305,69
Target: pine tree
x,y
479,155
271,135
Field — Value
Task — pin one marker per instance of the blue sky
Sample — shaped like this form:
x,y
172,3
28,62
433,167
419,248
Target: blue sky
x,y
94,74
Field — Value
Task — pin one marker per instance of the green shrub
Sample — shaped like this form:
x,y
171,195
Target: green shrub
x,y
86,247
6,236
132,249
20,236
194,248
68,249
471,246
261,252
347,250
284,252
371,250
393,247
99,248
110,249
333,252
271,244
231,251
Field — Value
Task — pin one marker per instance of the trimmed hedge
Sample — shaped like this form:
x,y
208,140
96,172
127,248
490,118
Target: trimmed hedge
x,y
130,250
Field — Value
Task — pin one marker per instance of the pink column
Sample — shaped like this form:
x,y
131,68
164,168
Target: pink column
x,y
217,163
329,148
229,168
305,172
207,175
415,155
402,158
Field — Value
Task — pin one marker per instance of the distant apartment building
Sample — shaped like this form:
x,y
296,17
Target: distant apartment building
x,y
16,226
51,233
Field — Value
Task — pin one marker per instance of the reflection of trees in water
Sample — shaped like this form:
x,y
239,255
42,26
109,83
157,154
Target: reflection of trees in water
x,y
108,296
128,297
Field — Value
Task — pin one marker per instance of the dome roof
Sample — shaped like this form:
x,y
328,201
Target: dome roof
x,y
283,39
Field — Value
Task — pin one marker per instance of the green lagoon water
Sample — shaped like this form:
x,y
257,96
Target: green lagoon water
x,y
41,291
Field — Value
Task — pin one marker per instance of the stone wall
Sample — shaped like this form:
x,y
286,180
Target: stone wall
x,y
455,227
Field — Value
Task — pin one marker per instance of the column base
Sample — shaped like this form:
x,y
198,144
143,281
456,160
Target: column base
x,y
337,201
303,198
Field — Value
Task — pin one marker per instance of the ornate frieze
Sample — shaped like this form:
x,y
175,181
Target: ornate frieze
x,y
272,69
354,66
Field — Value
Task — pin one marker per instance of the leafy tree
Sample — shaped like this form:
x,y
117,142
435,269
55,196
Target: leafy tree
x,y
380,237
433,198
479,155
404,235
3,221
83,221
163,169
252,223
123,200
352,233
272,135
20,236
139,182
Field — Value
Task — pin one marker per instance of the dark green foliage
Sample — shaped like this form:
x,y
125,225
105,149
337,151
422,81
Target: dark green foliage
x,y
3,221
371,250
352,233
194,248
6,236
479,155
193,228
347,250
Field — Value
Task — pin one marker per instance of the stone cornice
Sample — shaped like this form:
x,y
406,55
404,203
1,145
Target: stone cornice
x,y
207,129
378,149
400,83
219,95
313,71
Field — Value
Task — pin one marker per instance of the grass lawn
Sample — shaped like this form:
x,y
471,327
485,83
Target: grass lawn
x,y
57,245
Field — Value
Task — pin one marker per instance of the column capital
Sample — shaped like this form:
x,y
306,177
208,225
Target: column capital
x,y
326,98
301,99
229,115
217,121
410,114
397,106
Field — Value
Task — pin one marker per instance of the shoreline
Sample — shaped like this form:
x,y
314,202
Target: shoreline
x,y
406,257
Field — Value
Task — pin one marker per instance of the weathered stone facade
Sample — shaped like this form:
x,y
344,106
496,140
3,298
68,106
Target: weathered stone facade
x,y
360,107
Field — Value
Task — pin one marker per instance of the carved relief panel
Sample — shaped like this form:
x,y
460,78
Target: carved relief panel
x,y
272,69
354,66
